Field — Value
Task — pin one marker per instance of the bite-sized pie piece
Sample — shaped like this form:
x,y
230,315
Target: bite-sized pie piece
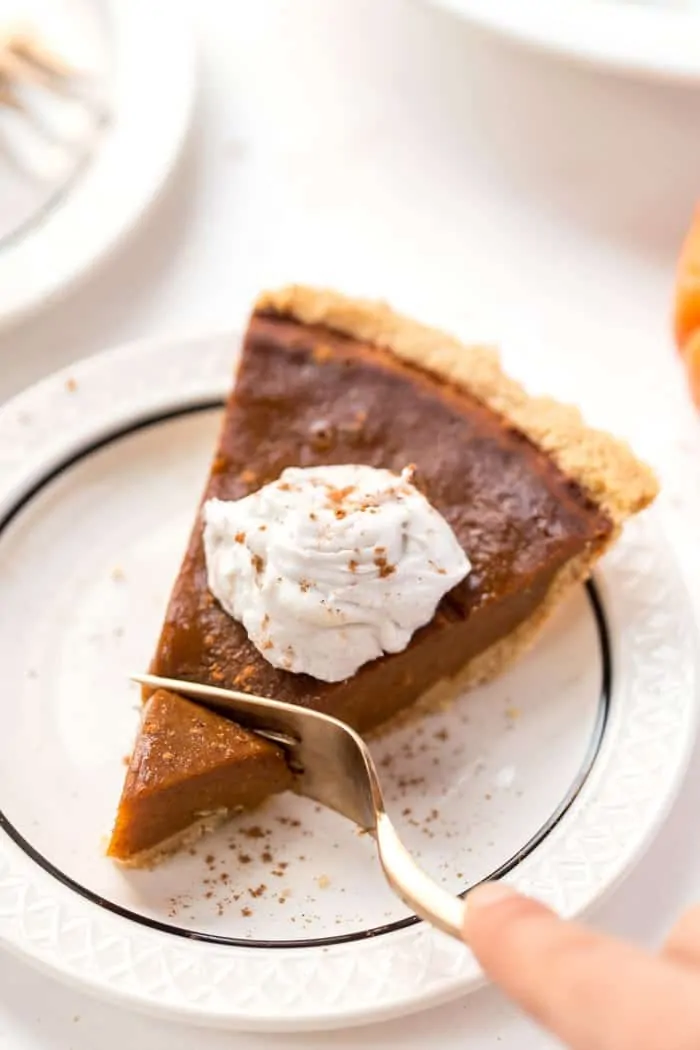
x,y
189,771
533,496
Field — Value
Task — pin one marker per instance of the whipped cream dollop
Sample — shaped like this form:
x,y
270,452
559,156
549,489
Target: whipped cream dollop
x,y
330,567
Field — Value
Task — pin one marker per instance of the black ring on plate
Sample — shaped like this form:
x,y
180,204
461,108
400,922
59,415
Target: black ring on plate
x,y
315,942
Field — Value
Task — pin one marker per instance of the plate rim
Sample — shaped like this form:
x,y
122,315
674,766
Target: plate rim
x,y
78,232
630,38
411,969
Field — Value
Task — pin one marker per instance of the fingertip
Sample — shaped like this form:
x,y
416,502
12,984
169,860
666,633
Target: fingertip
x,y
488,893
486,897
587,988
491,908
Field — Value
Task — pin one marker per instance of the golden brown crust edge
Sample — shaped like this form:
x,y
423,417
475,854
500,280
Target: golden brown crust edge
x,y
605,467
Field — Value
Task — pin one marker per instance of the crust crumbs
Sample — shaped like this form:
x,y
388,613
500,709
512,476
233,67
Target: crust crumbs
x,y
150,858
605,467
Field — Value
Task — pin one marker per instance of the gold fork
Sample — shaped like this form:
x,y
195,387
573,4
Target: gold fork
x,y
24,59
53,115
333,766
25,62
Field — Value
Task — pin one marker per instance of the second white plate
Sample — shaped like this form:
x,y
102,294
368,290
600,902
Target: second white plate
x,y
648,38
150,91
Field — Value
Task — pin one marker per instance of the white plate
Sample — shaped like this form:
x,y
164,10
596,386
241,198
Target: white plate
x,y
150,72
654,38
557,774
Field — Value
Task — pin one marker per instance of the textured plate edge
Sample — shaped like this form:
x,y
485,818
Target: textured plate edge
x,y
442,975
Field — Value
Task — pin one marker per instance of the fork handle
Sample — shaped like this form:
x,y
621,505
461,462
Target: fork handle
x,y
421,893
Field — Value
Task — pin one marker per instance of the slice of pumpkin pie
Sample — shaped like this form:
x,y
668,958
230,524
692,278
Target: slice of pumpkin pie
x,y
386,510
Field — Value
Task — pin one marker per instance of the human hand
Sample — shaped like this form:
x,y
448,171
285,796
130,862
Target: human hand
x,y
592,991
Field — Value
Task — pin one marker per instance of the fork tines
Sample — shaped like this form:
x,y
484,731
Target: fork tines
x,y
24,60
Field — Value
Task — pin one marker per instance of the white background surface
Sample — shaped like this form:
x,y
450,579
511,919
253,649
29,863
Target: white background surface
x,y
386,149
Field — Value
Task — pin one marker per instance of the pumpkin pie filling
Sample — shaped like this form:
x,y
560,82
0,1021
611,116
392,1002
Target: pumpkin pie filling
x,y
532,496
308,396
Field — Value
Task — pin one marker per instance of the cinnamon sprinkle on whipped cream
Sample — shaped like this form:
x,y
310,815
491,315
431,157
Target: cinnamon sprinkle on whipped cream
x,y
330,567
